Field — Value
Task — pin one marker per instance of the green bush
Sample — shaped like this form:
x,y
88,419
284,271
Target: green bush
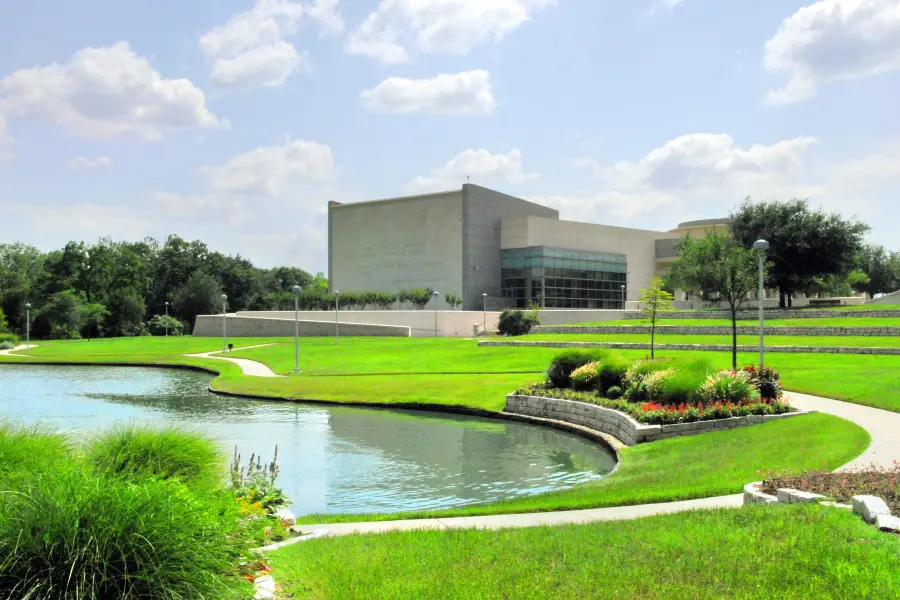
x,y
728,386
614,392
514,322
586,377
157,325
563,364
9,337
3,323
79,535
138,453
612,372
682,386
766,380
7,345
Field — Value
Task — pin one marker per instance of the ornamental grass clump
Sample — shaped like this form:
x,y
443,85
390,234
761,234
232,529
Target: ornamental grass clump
x,y
728,386
26,452
586,377
563,364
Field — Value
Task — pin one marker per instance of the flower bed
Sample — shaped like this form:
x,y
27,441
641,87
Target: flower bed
x,y
661,392
841,487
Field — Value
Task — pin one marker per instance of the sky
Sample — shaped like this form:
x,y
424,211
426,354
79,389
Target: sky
x,y
235,122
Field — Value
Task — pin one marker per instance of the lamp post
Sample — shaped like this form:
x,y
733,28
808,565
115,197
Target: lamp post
x,y
27,327
623,297
224,326
337,311
761,246
484,309
167,319
296,289
436,294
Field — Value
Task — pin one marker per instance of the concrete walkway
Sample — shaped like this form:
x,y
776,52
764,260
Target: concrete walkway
x,y
882,425
18,348
248,367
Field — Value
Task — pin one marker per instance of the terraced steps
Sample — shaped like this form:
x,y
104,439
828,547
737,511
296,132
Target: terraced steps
x,y
719,330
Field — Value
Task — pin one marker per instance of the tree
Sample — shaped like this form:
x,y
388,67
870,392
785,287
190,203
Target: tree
x,y
3,324
454,300
92,316
126,312
654,300
200,295
62,317
804,243
158,323
881,267
720,269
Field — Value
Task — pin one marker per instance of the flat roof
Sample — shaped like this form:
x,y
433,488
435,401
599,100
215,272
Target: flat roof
x,y
394,199
704,223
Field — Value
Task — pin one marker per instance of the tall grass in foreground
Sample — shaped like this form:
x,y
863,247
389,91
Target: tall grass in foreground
x,y
95,530
29,451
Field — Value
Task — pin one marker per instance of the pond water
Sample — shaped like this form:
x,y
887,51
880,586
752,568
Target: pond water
x,y
333,459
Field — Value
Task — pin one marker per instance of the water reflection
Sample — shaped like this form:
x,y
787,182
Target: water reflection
x,y
333,459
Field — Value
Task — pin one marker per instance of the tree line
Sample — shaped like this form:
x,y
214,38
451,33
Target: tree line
x,y
116,288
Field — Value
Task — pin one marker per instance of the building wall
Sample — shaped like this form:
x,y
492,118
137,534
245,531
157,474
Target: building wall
x,y
638,245
483,210
450,323
396,244
252,325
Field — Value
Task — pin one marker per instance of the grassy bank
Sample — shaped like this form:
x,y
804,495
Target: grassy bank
x,y
749,340
770,322
755,552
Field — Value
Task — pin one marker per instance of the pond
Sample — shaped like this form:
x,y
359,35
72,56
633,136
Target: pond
x,y
333,459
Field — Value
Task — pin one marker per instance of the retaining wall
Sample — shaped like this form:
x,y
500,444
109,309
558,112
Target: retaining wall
x,y
239,326
723,330
700,347
772,314
620,425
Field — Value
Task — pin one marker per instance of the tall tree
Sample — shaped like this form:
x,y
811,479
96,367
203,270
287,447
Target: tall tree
x,y
804,243
719,268
882,268
653,301
200,295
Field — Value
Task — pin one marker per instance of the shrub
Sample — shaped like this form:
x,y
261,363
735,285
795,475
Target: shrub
x,y
612,373
766,380
586,377
157,325
3,324
138,453
563,364
614,392
9,337
514,322
7,345
728,386
654,382
80,535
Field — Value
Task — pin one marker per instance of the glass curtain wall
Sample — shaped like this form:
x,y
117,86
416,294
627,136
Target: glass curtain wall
x,y
557,278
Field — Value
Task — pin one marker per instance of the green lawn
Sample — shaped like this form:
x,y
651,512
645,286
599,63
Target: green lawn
x,y
836,322
712,464
756,552
750,340
140,346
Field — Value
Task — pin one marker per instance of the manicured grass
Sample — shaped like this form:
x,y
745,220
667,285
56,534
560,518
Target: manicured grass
x,y
138,346
712,464
770,322
750,553
750,340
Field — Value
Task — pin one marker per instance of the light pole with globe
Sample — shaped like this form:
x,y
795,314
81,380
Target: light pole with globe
x,y
761,246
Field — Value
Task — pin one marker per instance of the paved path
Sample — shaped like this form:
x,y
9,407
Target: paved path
x,y
16,349
248,367
882,425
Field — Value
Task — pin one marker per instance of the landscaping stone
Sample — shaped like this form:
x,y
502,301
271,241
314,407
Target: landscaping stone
x,y
265,588
888,523
753,495
286,516
836,505
792,496
870,507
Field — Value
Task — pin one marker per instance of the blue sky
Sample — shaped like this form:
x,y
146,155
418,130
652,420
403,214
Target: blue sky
x,y
236,121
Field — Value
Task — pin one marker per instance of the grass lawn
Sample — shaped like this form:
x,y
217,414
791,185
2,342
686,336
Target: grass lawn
x,y
114,348
712,464
750,340
836,322
756,552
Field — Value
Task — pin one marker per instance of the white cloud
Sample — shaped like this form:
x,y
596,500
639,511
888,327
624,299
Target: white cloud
x,y
697,175
6,141
459,93
251,49
105,92
480,165
84,162
833,40
437,26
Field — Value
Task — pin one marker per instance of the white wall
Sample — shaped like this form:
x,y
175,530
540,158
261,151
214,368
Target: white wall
x,y
397,244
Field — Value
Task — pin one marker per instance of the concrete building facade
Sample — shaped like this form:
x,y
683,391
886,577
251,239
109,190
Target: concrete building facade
x,y
476,241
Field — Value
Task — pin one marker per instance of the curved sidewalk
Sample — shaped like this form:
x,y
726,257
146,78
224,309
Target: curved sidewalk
x,y
882,425
248,367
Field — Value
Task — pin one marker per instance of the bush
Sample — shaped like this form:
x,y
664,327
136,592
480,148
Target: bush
x,y
586,377
7,345
614,392
28,452
563,364
728,386
80,535
514,322
138,453
612,373
654,382
3,323
766,380
157,325
9,337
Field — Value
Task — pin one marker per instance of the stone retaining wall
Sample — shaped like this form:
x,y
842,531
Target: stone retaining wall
x,y
699,347
723,330
774,314
211,326
620,425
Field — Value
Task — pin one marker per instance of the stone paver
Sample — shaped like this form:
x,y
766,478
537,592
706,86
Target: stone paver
x,y
248,367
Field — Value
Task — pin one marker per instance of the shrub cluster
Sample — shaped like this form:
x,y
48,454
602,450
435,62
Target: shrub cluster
x,y
515,322
136,514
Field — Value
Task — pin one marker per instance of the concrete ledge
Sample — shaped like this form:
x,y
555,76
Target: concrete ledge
x,y
697,347
241,326
617,424
721,330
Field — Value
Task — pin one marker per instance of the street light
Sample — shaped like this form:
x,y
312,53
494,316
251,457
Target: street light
x,y
761,246
167,319
337,311
224,327
484,309
27,327
623,297
436,294
296,289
